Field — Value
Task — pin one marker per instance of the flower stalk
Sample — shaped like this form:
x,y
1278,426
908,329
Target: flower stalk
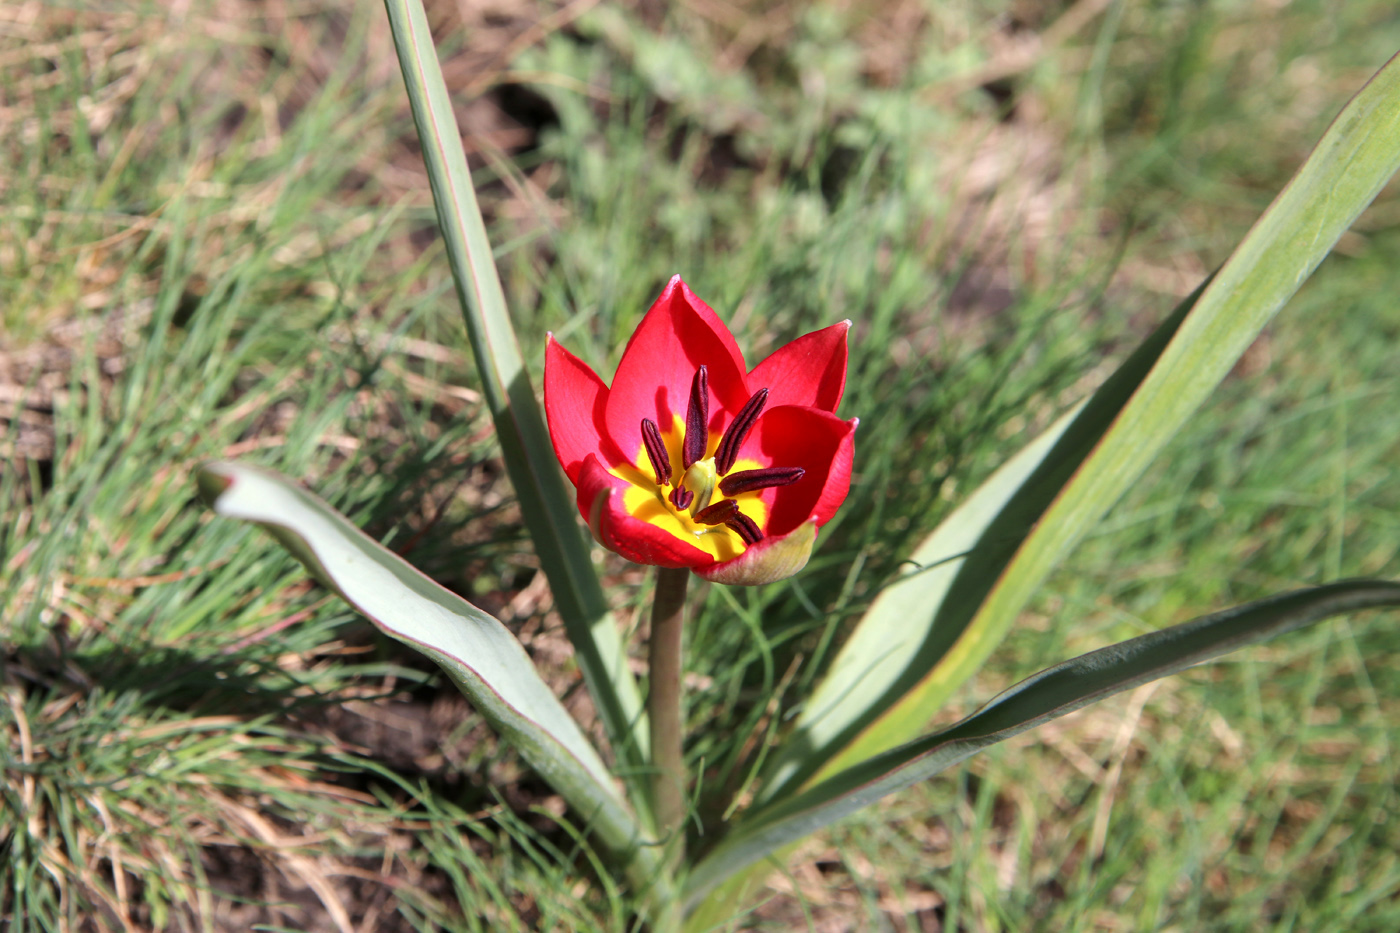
x,y
664,709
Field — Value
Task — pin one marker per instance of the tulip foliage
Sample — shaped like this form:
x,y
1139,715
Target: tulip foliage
x,y
694,463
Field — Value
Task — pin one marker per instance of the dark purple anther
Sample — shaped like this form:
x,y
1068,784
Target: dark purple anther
x,y
738,430
749,480
682,497
744,526
718,514
697,419
656,451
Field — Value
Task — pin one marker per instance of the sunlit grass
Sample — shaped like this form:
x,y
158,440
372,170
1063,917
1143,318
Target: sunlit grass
x,y
244,269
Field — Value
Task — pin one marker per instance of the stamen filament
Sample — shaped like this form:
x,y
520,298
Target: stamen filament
x,y
656,451
749,480
739,429
697,419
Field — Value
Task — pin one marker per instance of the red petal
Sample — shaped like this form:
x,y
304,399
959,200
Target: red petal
x,y
574,401
820,443
676,336
600,500
809,371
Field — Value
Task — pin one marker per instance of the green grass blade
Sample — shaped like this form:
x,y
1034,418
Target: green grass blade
x,y
1355,158
1052,693
474,649
546,502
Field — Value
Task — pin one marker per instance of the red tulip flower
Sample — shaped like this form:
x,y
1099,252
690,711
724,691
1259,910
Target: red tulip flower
x,y
690,459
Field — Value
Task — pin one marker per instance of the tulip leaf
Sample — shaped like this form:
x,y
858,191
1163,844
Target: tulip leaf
x,y
546,502
892,643
1052,693
913,623
480,655
1107,446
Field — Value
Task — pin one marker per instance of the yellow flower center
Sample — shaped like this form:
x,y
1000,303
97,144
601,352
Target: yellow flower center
x,y
650,500
701,465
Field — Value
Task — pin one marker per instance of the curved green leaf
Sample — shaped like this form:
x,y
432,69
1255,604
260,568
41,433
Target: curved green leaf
x,y
866,703
546,502
1048,695
475,650
896,636
1137,413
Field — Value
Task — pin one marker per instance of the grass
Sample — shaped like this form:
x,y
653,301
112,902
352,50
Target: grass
x,y
237,260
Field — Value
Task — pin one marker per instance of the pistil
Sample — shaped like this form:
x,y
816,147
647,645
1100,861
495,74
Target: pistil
x,y
700,479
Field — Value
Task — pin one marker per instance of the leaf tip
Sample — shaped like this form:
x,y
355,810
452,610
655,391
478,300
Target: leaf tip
x,y
212,479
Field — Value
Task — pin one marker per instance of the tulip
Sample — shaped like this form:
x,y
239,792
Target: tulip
x,y
691,460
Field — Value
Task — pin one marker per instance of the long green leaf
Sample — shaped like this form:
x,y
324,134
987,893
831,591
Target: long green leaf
x,y
546,502
1355,158
915,621
475,650
898,637
1048,695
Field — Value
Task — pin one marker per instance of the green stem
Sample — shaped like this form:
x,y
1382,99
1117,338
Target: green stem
x,y
664,708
